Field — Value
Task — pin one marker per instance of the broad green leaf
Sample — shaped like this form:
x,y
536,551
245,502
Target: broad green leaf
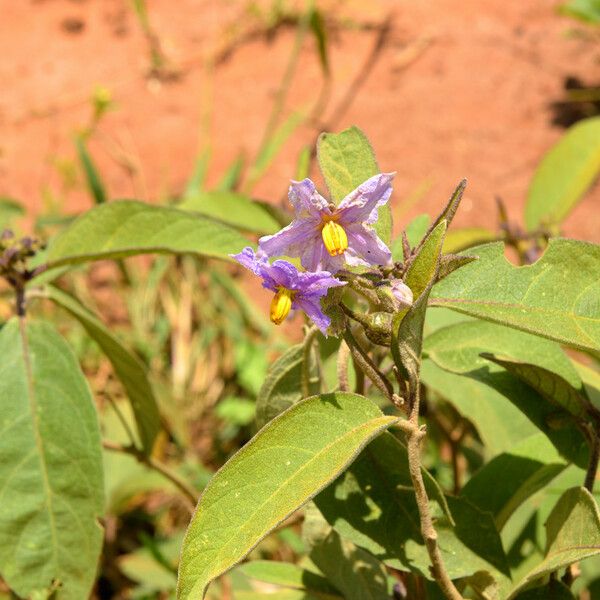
x,y
564,175
92,177
129,368
548,384
282,386
586,10
288,575
140,566
373,505
461,239
9,211
423,268
572,534
556,297
591,382
126,227
346,160
482,397
234,209
290,460
51,490
280,595
512,477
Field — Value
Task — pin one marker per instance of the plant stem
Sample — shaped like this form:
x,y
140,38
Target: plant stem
x,y
414,436
342,366
590,476
306,352
190,493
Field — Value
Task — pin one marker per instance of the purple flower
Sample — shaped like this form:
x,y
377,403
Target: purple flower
x,y
293,288
326,236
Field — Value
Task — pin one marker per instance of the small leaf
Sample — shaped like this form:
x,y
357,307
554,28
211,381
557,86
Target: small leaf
x,y
92,177
282,386
126,228
564,175
346,160
556,297
553,590
573,534
290,460
234,209
450,262
462,239
50,465
129,368
548,384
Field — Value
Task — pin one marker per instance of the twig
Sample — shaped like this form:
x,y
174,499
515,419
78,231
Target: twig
x,y
306,352
190,493
342,366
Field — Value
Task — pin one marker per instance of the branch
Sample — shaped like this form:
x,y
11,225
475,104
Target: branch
x,y
189,492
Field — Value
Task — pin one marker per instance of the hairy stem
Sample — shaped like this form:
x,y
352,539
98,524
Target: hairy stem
x,y
184,487
306,352
342,366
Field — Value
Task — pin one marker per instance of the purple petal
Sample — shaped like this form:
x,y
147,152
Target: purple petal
x,y
291,240
312,307
306,200
284,274
317,284
316,258
361,205
258,264
365,247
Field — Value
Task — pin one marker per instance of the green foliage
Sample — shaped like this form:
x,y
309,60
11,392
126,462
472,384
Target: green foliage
x,y
556,297
50,467
346,160
125,228
586,10
10,210
284,465
92,177
128,368
565,174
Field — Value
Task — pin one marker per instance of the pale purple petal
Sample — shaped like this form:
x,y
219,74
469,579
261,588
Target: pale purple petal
x,y
362,204
402,292
284,274
306,200
317,284
312,307
365,247
258,264
291,240
316,258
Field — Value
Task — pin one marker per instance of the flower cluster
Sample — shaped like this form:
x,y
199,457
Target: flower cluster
x,y
326,238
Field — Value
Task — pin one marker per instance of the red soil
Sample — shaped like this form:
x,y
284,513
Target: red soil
x,y
459,89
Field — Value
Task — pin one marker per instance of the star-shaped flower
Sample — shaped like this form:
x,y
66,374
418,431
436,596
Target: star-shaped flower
x,y
326,236
293,289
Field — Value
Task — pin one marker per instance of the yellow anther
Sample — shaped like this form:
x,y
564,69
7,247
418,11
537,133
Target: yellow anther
x,y
334,238
281,305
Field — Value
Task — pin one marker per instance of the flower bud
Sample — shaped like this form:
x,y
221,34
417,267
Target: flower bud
x,y
378,328
402,293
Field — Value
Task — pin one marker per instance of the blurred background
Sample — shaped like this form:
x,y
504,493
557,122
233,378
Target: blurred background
x,y
444,90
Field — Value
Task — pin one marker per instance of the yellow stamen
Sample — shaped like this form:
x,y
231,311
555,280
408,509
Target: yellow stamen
x,y
281,305
334,238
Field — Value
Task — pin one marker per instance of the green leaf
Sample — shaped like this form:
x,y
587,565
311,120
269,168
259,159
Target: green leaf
x,y
319,30
373,505
564,175
129,368
586,10
512,477
424,266
233,209
92,177
9,211
126,227
572,534
482,396
346,160
232,176
238,411
556,297
548,384
287,575
290,460
282,386
50,465
553,590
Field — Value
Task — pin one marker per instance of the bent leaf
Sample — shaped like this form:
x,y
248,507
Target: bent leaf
x,y
572,534
556,297
234,209
127,227
346,160
564,175
51,489
128,367
290,460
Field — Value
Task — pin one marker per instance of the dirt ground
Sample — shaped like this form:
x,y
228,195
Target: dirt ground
x,y
458,89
